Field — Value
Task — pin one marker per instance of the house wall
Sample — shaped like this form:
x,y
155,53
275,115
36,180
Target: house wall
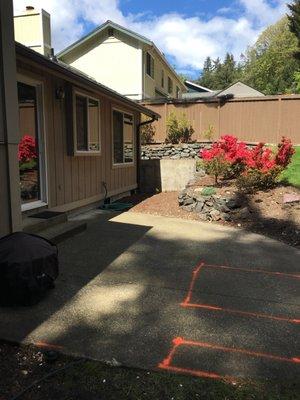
x,y
257,119
151,86
75,181
114,63
10,208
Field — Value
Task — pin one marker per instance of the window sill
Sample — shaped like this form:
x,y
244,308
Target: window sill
x,y
123,165
149,76
87,153
33,205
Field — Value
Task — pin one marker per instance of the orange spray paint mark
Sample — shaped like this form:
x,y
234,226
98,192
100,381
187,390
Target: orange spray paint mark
x,y
192,284
239,312
259,271
167,362
48,345
187,301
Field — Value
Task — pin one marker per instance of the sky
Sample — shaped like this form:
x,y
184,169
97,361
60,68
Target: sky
x,y
186,31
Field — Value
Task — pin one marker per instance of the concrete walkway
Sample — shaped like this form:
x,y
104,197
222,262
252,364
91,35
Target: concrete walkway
x,y
132,283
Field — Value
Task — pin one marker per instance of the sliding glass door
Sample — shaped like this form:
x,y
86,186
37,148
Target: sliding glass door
x,y
31,146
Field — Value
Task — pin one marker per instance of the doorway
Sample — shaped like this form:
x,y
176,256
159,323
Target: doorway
x,y
31,152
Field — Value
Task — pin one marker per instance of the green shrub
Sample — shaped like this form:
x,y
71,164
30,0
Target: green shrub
x,y
31,164
255,179
179,129
209,133
147,134
208,191
216,166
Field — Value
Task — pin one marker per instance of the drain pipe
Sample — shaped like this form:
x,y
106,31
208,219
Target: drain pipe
x,y
138,147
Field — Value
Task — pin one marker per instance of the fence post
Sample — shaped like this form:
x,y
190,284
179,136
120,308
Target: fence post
x,y
279,119
219,121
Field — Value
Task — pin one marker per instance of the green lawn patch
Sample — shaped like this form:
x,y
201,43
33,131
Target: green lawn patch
x,y
291,175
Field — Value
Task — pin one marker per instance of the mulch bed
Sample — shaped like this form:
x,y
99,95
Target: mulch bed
x,y
268,215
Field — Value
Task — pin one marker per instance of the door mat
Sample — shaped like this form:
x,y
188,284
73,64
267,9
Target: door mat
x,y
46,214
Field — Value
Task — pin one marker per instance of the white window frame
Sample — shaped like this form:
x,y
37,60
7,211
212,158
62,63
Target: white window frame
x,y
41,132
85,152
123,164
152,66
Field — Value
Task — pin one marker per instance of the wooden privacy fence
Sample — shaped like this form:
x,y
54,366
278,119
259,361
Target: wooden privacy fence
x,y
259,119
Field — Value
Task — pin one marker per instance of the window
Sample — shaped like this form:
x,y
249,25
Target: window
x,y
177,92
150,65
170,85
87,124
122,137
162,78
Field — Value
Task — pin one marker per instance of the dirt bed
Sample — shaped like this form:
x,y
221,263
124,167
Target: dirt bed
x,y
268,214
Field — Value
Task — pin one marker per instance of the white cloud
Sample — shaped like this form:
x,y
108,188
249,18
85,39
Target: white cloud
x,y
188,40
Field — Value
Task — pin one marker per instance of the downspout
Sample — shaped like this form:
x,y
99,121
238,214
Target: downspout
x,y
138,147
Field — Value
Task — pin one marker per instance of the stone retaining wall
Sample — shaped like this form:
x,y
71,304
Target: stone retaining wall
x,y
172,151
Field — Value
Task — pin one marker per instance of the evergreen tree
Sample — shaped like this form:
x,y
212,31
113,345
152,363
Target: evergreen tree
x,y
270,66
206,78
294,23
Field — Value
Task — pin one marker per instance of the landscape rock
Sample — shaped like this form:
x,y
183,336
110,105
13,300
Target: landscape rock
x,y
233,203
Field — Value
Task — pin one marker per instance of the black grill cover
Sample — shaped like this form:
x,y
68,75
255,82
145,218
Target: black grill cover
x,y
28,268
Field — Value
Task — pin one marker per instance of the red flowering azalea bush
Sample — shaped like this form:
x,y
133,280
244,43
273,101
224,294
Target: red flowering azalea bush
x,y
256,168
285,152
27,149
227,157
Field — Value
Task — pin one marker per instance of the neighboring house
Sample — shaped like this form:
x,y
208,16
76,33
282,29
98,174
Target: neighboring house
x,y
193,87
236,90
125,61
75,133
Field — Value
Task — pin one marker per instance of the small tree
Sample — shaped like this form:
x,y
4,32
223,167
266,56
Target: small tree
x,y
147,134
209,133
179,129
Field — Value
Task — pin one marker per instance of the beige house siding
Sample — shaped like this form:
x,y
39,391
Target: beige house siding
x,y
75,181
153,86
10,215
32,28
114,63
119,62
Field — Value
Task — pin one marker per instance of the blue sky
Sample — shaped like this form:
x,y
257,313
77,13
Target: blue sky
x,y
187,31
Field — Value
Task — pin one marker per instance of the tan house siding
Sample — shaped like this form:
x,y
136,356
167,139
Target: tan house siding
x,y
10,214
116,64
117,58
153,86
77,180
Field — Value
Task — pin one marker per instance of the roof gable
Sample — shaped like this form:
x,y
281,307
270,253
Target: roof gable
x,y
90,38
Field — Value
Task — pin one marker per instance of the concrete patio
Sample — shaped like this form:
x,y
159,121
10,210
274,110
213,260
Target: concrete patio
x,y
123,281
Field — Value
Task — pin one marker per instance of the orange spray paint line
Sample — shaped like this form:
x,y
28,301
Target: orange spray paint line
x,y
48,345
243,313
261,271
166,364
195,273
241,351
198,373
187,300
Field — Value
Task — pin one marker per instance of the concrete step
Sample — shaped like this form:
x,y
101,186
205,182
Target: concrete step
x,y
60,232
35,225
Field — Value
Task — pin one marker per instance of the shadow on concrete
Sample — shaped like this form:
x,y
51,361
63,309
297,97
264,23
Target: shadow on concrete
x,y
284,229
121,285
